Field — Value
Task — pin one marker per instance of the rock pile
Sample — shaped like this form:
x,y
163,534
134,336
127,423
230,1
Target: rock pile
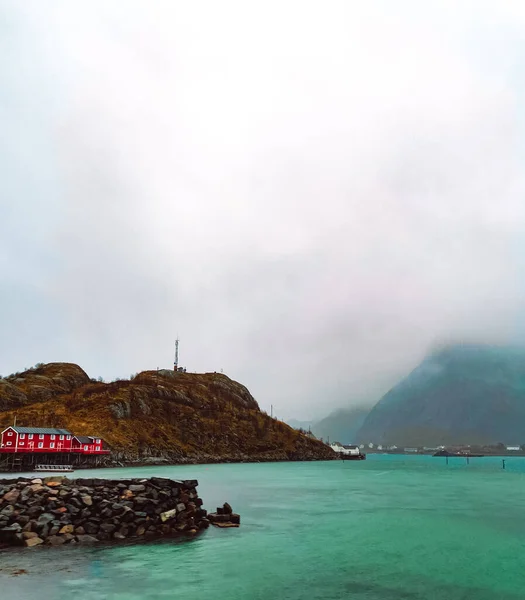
x,y
224,517
57,510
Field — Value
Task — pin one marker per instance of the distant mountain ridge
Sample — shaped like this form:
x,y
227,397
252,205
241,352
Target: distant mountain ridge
x,y
342,425
461,394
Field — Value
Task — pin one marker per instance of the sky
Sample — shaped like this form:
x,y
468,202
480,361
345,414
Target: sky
x,y
311,195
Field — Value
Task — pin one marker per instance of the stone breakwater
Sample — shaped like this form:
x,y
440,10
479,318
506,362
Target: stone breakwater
x,y
57,510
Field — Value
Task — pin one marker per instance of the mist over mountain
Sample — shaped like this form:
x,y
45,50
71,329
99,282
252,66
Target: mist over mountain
x,y
464,394
341,425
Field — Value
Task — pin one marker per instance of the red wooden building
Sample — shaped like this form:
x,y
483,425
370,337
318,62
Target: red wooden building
x,y
47,440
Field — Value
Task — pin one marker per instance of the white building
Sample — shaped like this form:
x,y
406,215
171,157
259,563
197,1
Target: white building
x,y
513,448
346,450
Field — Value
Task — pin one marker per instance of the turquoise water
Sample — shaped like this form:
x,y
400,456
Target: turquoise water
x,y
388,528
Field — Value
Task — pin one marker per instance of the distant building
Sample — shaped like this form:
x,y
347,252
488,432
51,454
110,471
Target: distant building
x,y
412,450
513,448
350,450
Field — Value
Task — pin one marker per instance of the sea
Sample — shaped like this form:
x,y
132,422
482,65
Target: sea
x,y
388,528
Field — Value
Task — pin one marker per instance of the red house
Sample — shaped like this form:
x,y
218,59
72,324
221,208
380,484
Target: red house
x,y
43,439
87,444
35,439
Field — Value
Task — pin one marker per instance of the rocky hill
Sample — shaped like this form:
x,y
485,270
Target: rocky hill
x,y
462,394
155,416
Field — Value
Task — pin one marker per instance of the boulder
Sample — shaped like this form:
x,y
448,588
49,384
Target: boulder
x,y
67,529
12,496
137,488
34,541
86,539
55,540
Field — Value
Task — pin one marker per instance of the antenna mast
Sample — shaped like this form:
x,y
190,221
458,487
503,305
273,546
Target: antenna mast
x,y
176,361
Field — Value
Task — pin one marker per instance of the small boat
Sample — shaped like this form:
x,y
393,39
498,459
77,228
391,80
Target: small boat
x,y
54,468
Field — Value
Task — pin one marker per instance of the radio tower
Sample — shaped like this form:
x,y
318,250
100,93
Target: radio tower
x,y
176,361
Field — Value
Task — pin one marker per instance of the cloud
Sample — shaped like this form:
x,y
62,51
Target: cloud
x,y
310,194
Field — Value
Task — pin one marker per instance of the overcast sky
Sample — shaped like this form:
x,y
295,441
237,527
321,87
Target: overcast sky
x,y
311,194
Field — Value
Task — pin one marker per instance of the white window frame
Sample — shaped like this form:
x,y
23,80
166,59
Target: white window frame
x,y
52,444
61,437
30,436
9,443
86,448
40,444
98,448
68,437
21,443
41,436
53,436
9,433
22,436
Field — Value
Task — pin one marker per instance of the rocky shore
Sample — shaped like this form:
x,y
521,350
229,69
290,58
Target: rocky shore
x,y
57,510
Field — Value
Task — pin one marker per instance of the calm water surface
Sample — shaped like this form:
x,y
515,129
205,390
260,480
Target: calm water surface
x,y
388,528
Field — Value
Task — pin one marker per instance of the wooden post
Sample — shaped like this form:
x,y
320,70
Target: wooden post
x,y
503,464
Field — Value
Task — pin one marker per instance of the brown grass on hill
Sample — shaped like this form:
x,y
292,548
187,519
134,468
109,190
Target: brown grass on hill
x,y
173,416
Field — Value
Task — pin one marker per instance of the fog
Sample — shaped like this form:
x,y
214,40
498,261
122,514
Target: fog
x,y
311,195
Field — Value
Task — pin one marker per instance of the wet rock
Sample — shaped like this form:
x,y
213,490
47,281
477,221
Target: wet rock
x,y
35,541
67,529
137,488
86,539
12,496
55,540
63,511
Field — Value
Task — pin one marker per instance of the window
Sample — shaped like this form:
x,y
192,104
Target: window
x,y
40,444
98,448
30,436
22,444
9,443
52,445
61,437
85,448
53,437
9,433
41,436
68,437
98,441
22,436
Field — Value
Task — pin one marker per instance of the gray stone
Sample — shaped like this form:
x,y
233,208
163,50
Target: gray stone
x,y
45,518
87,500
137,488
86,539
55,540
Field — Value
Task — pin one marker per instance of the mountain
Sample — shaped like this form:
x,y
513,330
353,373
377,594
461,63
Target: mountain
x,y
341,425
461,394
155,416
